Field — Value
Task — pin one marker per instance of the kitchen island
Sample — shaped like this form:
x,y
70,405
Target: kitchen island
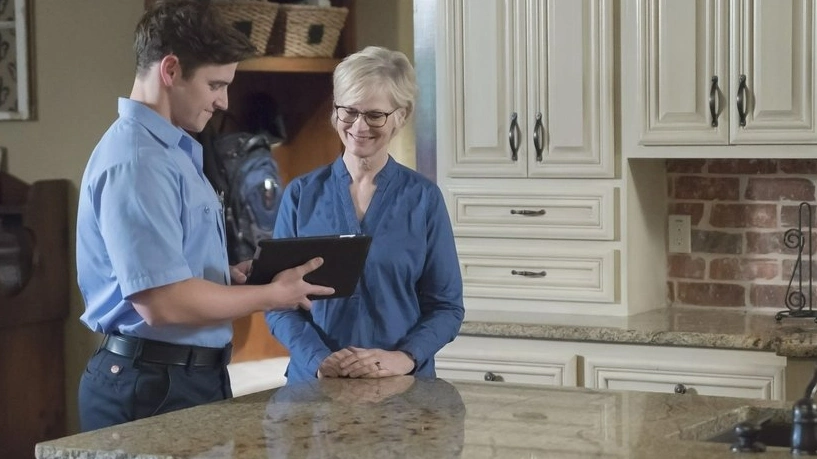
x,y
402,417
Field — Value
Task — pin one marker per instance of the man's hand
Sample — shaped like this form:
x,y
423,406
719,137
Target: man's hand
x,y
289,290
240,271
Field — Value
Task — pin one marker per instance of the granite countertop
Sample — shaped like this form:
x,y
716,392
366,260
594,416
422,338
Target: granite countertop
x,y
694,327
406,417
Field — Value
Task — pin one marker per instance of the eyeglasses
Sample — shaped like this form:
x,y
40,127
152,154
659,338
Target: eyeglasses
x,y
374,119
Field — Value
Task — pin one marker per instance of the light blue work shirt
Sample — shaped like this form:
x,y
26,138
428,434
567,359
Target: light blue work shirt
x,y
147,217
409,297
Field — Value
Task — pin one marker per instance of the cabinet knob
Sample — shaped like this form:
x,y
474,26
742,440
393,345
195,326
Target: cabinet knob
x,y
489,376
680,389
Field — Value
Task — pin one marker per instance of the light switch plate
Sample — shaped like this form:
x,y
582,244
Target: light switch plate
x,y
680,234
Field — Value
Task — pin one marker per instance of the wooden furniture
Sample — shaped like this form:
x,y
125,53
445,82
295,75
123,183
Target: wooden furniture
x,y
302,89
252,340
32,374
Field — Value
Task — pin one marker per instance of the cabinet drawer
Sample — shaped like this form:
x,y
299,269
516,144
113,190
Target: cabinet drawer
x,y
497,372
533,270
729,373
726,385
572,212
497,360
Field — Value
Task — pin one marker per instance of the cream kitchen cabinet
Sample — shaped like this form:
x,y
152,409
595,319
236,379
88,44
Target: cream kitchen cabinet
x,y
526,153
730,373
681,370
496,360
527,89
719,73
530,275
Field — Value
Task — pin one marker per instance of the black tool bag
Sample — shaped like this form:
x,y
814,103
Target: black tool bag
x,y
241,168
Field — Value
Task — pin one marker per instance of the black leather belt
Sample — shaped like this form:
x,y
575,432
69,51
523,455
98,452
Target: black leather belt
x,y
150,351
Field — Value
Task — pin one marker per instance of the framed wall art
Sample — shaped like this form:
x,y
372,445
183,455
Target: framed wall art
x,y
14,78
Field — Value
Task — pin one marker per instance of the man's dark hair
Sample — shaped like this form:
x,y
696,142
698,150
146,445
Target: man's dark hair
x,y
193,31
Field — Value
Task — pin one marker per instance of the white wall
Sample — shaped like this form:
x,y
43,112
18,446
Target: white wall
x,y
390,23
82,62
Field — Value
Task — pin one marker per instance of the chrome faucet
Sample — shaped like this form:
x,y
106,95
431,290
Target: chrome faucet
x,y
804,421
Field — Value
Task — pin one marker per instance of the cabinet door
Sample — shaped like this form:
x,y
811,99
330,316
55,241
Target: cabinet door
x,y
498,360
773,72
532,88
683,73
570,88
485,59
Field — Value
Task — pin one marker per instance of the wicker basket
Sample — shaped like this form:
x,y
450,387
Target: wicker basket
x,y
253,17
307,31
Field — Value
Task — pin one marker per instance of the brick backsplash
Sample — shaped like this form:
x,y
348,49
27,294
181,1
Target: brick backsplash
x,y
740,211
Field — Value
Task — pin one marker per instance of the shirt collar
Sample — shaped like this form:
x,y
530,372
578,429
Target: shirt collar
x,y
162,129
385,174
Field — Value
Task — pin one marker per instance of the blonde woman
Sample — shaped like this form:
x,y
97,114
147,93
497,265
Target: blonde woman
x,y
408,303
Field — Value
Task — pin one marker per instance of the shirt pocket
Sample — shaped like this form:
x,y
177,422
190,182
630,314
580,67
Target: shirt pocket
x,y
203,218
204,235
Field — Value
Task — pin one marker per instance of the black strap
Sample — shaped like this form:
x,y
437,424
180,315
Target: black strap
x,y
150,351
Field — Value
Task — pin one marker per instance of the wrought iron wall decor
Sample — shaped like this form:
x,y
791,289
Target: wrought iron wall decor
x,y
799,302
14,84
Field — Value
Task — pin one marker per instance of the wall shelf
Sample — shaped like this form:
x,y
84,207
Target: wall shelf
x,y
289,64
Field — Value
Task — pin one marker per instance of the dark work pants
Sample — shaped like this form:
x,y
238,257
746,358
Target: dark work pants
x,y
115,389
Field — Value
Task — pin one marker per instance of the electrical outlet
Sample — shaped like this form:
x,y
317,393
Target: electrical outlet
x,y
680,234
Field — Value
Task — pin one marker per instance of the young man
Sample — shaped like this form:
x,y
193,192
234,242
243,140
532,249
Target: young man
x,y
151,259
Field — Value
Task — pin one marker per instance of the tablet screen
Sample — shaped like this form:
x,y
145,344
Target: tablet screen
x,y
343,260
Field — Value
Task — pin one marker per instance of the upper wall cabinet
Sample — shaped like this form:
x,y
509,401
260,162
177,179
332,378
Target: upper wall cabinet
x,y
529,91
718,73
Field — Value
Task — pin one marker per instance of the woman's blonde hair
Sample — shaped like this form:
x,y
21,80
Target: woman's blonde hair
x,y
374,69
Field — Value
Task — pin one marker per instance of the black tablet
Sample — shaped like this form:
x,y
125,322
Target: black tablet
x,y
343,259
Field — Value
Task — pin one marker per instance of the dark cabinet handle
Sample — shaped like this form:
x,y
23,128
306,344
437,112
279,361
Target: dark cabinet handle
x,y
514,135
680,389
528,273
538,137
529,213
742,102
713,97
